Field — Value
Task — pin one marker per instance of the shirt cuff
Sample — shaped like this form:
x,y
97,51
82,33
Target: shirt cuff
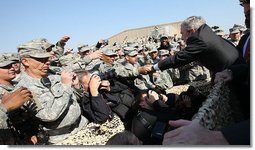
x,y
155,67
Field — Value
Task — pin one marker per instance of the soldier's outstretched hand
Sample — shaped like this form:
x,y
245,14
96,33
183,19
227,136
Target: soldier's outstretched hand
x,y
146,69
16,99
96,54
64,39
225,75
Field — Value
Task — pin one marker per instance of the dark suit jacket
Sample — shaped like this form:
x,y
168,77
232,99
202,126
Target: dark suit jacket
x,y
241,71
241,80
239,133
204,46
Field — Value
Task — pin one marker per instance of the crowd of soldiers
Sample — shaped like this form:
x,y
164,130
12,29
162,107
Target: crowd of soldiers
x,y
60,91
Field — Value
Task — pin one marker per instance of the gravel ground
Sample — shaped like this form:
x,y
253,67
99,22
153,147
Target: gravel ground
x,y
95,134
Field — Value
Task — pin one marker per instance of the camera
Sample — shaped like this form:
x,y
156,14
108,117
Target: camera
x,y
159,130
108,75
42,136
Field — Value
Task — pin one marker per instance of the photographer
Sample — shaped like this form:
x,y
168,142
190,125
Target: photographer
x,y
150,123
119,97
93,105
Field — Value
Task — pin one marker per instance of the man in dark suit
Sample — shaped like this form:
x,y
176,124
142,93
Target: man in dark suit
x,y
191,132
203,45
239,74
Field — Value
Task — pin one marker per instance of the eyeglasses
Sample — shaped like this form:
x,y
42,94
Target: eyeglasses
x,y
43,60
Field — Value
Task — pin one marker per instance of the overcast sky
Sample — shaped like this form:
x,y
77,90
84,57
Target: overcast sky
x,y
88,21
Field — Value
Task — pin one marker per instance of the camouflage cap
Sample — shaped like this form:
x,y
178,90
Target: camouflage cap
x,y
140,47
153,49
33,49
119,50
5,61
163,36
214,28
219,31
109,51
234,30
12,56
241,28
83,48
44,42
163,52
66,60
130,51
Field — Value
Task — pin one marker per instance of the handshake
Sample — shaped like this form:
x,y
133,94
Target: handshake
x,y
146,69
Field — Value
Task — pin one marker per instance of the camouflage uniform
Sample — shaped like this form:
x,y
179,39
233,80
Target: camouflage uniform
x,y
93,65
128,70
162,78
105,67
83,58
59,49
71,62
6,136
74,61
193,72
58,108
3,118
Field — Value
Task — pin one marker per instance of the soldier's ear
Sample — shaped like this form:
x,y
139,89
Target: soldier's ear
x,y
127,58
24,61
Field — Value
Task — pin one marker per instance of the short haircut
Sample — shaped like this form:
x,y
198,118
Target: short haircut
x,y
193,22
81,73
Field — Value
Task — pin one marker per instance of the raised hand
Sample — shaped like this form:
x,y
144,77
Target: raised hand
x,y
16,99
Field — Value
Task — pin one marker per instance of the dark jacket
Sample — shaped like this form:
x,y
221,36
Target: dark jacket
x,y
95,109
205,46
239,133
241,71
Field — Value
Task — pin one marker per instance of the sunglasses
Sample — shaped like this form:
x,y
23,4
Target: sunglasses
x,y
43,60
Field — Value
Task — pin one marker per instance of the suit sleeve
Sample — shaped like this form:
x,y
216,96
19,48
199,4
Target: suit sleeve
x,y
238,134
192,52
240,72
95,109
